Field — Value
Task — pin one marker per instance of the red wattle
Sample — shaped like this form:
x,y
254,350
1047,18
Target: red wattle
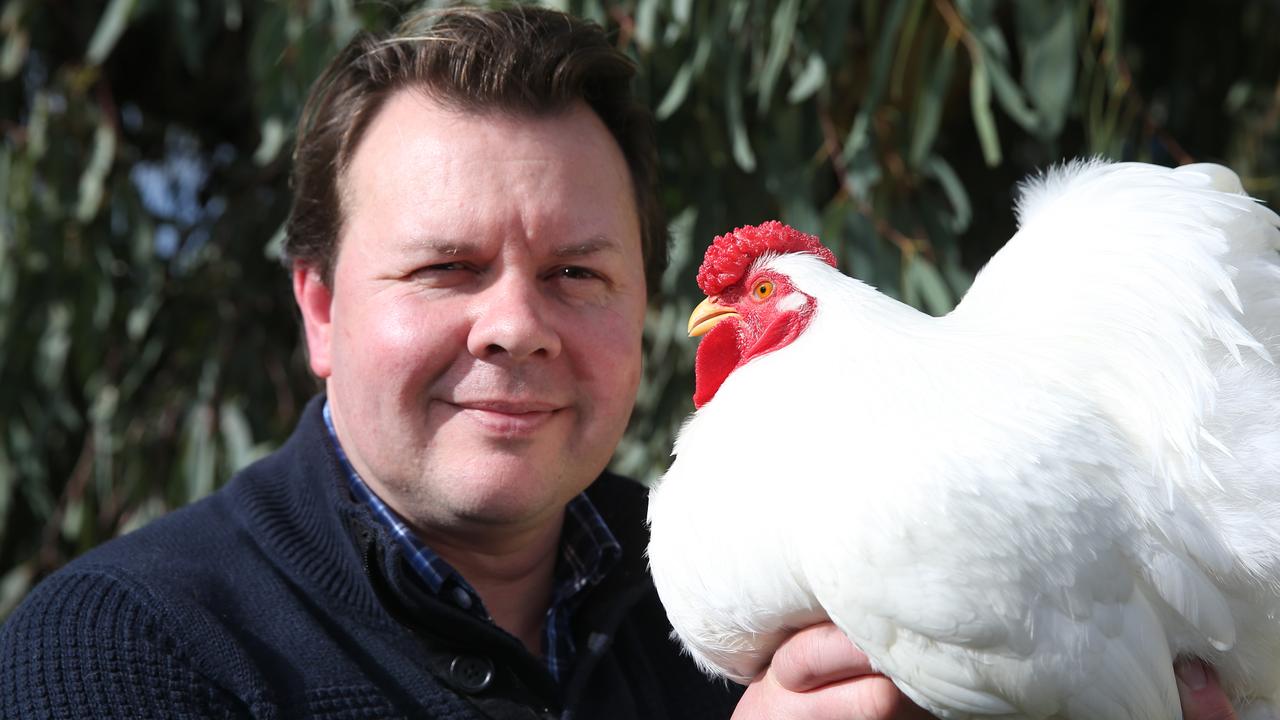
x,y
719,352
718,355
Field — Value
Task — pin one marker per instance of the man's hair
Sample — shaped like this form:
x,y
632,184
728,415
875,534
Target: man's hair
x,y
517,60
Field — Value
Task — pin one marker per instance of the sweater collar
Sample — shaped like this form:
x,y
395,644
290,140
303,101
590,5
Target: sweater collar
x,y
302,512
304,509
588,551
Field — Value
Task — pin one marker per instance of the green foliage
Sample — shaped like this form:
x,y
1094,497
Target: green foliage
x,y
148,346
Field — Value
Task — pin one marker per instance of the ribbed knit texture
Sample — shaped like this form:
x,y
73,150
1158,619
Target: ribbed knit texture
x,y
280,597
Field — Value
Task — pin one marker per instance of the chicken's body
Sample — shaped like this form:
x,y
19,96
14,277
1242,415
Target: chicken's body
x,y
1031,506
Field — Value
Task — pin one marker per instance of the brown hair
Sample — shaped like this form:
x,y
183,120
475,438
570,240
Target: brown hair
x,y
523,60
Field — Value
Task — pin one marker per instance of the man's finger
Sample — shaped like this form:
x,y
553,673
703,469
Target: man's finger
x,y
868,697
1201,695
817,656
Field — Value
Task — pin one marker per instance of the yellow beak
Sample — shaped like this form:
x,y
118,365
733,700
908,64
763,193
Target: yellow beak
x,y
707,315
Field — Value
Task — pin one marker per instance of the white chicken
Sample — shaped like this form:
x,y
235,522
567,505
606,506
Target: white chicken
x,y
1027,508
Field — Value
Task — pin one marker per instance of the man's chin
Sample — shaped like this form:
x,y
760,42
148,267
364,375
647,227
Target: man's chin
x,y
493,493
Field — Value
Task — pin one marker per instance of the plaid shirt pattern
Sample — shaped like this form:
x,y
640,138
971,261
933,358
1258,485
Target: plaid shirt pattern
x,y
588,550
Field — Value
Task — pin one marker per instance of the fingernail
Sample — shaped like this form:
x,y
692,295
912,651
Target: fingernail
x,y
1192,674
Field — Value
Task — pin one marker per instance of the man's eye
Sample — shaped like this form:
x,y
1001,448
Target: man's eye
x,y
577,273
445,274
439,269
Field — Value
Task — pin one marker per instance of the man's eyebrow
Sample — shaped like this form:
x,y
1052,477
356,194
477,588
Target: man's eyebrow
x,y
592,245
443,246
449,247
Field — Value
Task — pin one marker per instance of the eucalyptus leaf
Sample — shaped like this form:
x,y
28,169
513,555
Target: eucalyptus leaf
x,y
681,257
11,195
676,92
702,54
863,174
72,519
142,367
924,287
111,26
198,458
810,80
345,23
274,249
881,67
742,153
272,139
37,125
983,120
14,53
958,278
784,28
962,212
907,45
738,10
104,305
232,15
140,316
646,23
799,212
983,23
186,25
55,341
144,512
1047,30
927,117
1011,97
14,586
95,173
237,437
1237,96
681,11
8,485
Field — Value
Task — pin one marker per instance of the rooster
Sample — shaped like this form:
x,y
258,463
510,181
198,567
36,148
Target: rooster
x,y
1027,508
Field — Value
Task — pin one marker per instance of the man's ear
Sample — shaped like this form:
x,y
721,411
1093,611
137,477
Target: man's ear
x,y
315,300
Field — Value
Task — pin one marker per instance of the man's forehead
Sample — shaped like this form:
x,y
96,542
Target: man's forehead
x,y
414,125
401,110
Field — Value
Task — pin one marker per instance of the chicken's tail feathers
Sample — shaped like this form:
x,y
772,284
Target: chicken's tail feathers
x,y
1220,178
1141,285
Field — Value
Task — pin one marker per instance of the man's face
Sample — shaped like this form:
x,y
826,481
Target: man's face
x,y
481,338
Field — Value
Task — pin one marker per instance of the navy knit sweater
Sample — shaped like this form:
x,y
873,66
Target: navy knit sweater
x,y
279,596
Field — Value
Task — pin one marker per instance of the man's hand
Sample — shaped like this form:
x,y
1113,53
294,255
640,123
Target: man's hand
x,y
1201,695
817,674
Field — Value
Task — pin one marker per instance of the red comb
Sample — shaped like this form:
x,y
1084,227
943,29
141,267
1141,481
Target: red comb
x,y
732,253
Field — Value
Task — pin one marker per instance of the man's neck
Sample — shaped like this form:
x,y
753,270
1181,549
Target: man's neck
x,y
512,572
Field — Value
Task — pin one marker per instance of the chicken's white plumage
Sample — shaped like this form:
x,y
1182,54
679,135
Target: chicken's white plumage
x,y
1027,508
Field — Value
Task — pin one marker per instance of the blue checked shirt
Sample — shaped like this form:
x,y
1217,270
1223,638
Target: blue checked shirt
x,y
588,550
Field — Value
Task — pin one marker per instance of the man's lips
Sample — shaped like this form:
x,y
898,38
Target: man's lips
x,y
507,417
508,407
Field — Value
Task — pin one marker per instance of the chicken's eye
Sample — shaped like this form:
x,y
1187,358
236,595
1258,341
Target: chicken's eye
x,y
762,290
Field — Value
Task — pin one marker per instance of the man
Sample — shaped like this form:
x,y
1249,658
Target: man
x,y
474,232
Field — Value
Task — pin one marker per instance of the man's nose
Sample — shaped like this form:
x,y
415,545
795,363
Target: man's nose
x,y
512,320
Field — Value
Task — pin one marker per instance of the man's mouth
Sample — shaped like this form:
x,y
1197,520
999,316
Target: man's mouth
x,y
509,418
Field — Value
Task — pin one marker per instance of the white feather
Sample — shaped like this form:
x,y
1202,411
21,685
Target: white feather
x,y
1029,507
